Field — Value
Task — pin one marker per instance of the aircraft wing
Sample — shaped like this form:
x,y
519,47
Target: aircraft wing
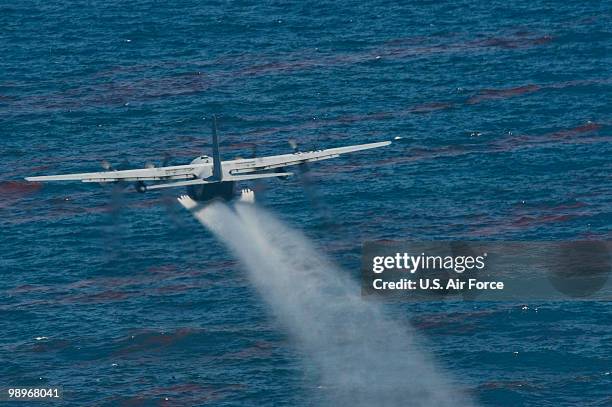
x,y
246,166
193,174
144,174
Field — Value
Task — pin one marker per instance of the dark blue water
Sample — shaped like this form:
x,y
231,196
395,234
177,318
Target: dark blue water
x,y
123,298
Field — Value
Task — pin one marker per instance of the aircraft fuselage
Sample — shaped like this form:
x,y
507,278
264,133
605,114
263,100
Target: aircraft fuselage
x,y
221,190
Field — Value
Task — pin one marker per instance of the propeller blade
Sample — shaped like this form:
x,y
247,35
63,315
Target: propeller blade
x,y
167,159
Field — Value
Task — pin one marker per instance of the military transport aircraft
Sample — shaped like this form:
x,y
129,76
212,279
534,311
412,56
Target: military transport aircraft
x,y
209,178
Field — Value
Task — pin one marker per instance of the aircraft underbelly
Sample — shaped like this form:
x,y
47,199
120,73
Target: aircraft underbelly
x,y
207,192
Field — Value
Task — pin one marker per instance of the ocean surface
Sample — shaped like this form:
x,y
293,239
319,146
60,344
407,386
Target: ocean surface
x,y
121,298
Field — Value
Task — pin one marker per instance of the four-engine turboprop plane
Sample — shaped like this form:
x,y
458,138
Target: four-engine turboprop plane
x,y
207,178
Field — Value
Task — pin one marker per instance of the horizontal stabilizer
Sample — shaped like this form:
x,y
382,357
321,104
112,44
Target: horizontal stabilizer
x,y
226,179
247,177
179,184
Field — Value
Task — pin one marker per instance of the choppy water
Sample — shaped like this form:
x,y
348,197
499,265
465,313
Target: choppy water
x,y
505,118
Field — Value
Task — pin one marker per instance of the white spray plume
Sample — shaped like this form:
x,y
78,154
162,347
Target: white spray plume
x,y
364,357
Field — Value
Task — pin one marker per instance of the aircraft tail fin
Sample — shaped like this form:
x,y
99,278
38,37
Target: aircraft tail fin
x,y
217,174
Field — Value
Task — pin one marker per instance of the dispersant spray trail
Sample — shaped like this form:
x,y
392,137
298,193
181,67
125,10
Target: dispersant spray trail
x,y
364,357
